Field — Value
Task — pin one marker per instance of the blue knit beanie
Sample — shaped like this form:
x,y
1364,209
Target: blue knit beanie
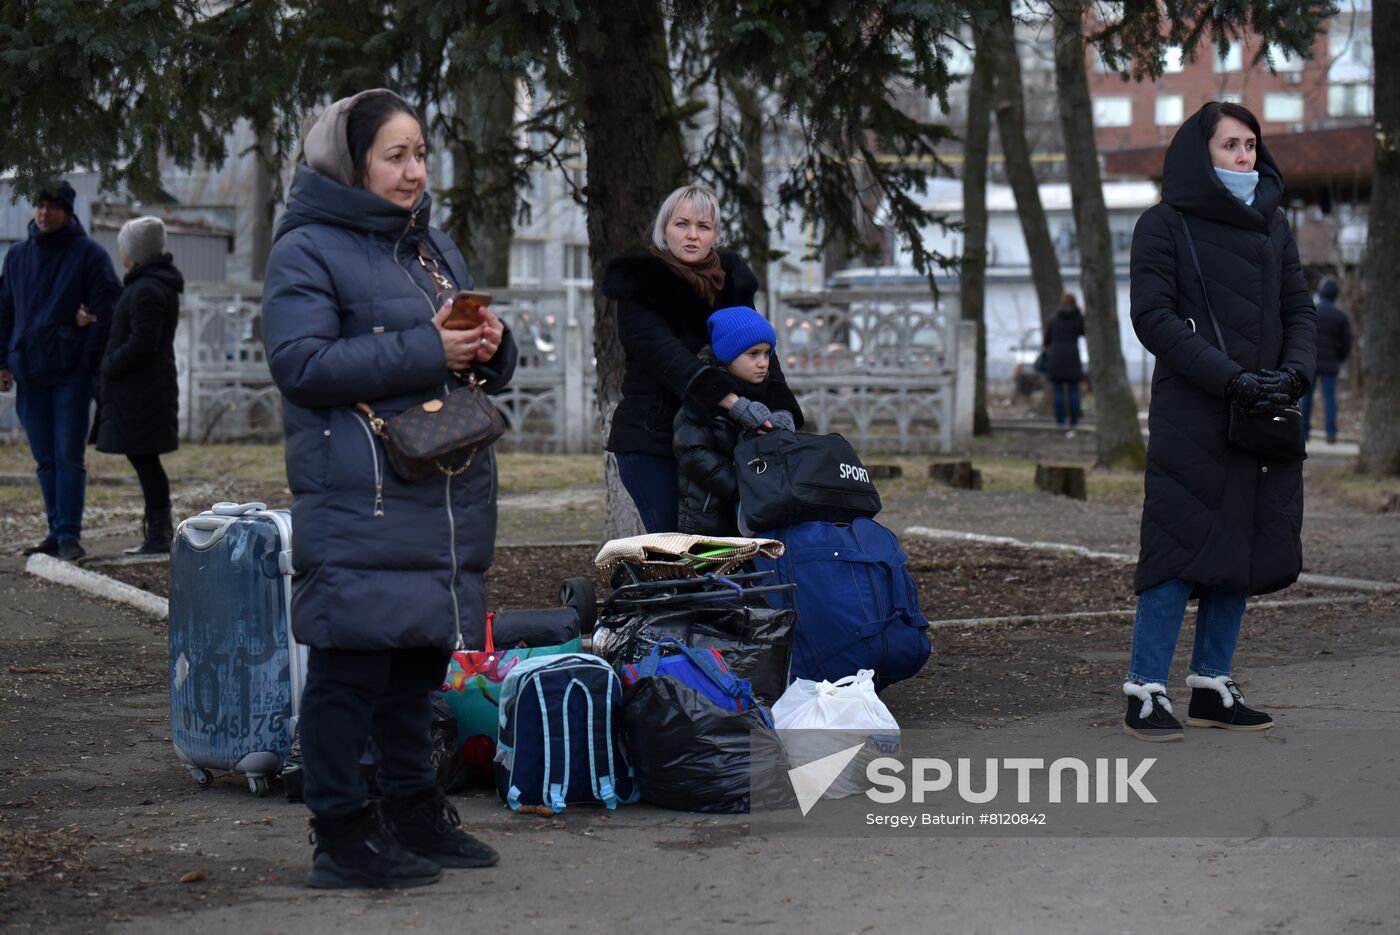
x,y
735,329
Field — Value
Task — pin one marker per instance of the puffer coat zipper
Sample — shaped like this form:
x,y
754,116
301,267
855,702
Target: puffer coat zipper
x,y
447,489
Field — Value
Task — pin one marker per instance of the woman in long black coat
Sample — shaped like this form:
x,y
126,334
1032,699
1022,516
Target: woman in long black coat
x,y
139,395
1219,523
1063,368
665,298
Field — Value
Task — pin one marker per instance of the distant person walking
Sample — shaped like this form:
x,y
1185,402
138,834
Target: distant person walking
x,y
138,408
56,295
1333,349
1063,367
1219,523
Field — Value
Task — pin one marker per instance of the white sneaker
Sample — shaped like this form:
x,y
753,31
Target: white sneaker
x,y
1069,434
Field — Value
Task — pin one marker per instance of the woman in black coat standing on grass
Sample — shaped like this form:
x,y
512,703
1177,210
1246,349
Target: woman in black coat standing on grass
x,y
1219,523
665,298
139,396
1063,368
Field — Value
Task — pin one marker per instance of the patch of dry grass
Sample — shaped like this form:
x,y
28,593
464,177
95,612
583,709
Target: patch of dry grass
x,y
1372,494
1000,473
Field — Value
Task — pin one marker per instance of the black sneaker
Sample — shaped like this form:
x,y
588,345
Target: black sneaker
x,y
1149,714
49,546
1218,702
69,550
358,852
428,825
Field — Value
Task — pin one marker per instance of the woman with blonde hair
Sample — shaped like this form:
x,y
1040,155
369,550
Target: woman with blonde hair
x,y
665,297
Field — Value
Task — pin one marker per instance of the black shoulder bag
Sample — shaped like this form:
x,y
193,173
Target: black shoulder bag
x,y
1279,435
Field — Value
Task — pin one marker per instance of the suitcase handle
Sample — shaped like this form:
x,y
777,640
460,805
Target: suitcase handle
x,y
226,508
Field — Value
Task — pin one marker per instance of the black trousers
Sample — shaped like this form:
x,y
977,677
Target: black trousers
x,y
352,696
155,486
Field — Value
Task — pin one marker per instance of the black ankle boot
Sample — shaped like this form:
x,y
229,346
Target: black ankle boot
x,y
1218,702
428,825
1149,715
358,852
157,531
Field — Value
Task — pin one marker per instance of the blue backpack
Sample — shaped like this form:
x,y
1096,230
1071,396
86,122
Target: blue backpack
x,y
559,735
857,605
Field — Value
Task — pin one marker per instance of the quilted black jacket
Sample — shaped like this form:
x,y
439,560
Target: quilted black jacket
x,y
1214,514
703,444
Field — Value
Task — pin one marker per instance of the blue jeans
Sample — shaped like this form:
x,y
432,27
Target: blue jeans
x,y
1160,611
652,485
1066,401
1329,404
55,418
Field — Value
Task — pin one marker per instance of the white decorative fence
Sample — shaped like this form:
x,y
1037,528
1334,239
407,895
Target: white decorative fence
x,y
886,367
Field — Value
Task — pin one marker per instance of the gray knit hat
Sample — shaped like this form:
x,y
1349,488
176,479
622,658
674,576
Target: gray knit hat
x,y
142,239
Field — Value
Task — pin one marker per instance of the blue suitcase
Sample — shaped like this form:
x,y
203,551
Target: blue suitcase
x,y
236,672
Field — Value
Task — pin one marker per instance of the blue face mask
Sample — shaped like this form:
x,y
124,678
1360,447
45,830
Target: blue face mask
x,y
1240,184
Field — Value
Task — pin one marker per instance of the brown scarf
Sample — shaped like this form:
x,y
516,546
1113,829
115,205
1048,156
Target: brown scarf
x,y
705,277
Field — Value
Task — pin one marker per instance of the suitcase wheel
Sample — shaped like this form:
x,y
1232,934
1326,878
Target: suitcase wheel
x,y
578,593
258,785
202,776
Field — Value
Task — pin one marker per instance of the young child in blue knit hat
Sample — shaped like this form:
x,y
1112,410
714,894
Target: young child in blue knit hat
x,y
742,341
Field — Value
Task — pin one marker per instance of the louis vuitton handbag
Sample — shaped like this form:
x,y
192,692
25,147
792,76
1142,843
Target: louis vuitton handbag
x,y
440,436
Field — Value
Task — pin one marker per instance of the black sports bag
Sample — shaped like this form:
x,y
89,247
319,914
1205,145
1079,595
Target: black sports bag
x,y
788,477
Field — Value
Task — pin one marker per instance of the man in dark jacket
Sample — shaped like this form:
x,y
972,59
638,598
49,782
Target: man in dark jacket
x,y
1333,348
56,298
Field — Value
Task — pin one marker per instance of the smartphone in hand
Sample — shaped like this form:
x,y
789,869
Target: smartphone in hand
x,y
466,310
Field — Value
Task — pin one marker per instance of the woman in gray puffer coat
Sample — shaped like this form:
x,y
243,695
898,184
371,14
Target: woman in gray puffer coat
x,y
388,573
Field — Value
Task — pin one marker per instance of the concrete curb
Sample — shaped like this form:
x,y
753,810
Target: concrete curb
x,y
1125,613
1310,580
96,583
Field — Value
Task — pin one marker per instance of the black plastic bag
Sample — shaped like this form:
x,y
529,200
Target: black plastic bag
x,y
756,641
691,755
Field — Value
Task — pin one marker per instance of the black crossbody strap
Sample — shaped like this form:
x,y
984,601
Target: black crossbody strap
x,y
1195,261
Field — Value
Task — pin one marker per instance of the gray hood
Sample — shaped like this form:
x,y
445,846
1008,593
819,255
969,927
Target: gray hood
x,y
326,147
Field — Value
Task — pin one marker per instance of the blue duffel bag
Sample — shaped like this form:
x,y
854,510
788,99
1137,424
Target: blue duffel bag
x,y
857,605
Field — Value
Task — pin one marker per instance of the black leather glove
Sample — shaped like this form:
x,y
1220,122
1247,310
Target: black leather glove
x,y
1285,383
1244,388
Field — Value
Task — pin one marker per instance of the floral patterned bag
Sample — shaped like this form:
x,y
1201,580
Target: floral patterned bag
x,y
472,691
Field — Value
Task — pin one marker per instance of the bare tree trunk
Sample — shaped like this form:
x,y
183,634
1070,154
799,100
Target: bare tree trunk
x,y
635,158
756,234
1119,437
1010,106
972,290
483,211
1380,433
263,207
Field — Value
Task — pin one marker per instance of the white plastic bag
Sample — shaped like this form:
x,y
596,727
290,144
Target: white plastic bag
x,y
820,719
